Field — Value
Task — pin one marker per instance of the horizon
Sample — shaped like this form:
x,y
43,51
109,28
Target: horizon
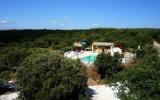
x,y
36,29
84,14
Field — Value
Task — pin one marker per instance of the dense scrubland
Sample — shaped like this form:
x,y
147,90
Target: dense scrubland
x,y
35,59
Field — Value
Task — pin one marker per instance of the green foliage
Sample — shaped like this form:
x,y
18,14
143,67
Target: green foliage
x,y
62,38
108,65
103,63
142,79
1,82
40,43
5,75
12,57
66,49
146,50
16,45
48,76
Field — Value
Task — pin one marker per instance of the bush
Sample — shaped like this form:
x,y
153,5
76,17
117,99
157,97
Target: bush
x,y
142,79
12,57
48,76
108,65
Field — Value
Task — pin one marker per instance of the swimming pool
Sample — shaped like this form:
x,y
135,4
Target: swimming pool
x,y
89,59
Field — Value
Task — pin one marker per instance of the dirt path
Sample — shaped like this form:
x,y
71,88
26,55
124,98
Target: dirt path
x,y
102,92
9,96
97,89
93,76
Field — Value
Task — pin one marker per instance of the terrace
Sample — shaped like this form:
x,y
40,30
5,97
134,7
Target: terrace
x,y
88,56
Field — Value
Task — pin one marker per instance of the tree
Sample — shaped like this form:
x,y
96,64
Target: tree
x,y
12,57
49,76
103,63
108,65
146,50
141,81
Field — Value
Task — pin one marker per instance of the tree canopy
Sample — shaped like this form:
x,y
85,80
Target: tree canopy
x,y
108,65
49,76
141,81
17,50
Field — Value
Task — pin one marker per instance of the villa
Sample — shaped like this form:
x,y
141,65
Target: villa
x,y
106,47
100,47
89,56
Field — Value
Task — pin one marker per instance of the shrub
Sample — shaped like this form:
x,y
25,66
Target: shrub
x,y
48,76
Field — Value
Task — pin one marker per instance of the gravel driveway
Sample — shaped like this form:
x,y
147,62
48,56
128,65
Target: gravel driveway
x,y
101,92
9,96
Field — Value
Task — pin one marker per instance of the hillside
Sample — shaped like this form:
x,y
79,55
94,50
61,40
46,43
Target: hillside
x,y
36,49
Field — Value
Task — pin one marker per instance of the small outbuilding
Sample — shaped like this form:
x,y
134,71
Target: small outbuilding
x,y
99,47
105,47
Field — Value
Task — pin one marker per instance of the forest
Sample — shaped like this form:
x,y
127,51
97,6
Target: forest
x,y
37,55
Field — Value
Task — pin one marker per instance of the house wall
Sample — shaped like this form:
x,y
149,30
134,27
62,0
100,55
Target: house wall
x,y
99,49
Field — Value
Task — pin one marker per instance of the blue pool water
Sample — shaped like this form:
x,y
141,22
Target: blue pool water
x,y
89,59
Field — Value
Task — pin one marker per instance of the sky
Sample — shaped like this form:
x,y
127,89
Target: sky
x,y
79,14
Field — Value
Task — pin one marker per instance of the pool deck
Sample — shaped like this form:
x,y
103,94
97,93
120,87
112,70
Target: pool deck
x,y
79,55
